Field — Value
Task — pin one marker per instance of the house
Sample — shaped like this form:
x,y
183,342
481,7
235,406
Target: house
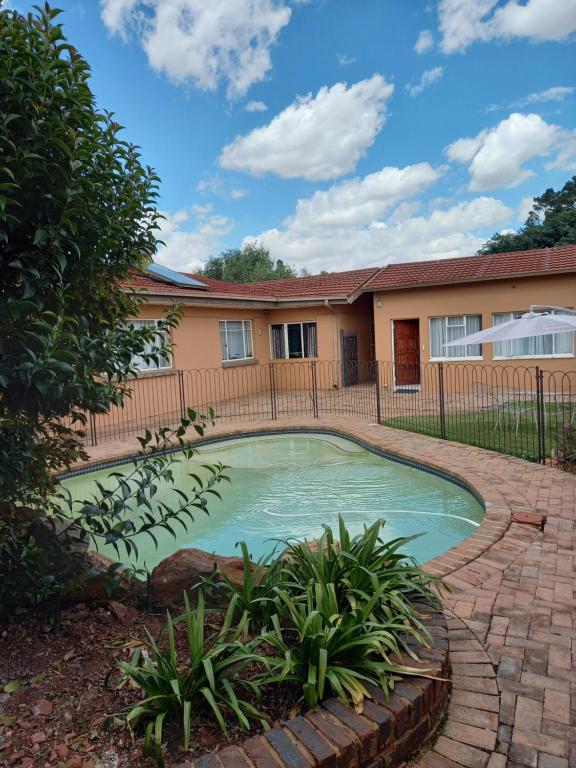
x,y
401,313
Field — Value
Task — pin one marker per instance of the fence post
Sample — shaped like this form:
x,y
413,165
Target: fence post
x,y
181,393
273,412
540,416
93,436
314,389
377,390
442,401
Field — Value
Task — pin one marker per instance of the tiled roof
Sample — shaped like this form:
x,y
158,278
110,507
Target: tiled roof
x,y
474,268
334,285
413,274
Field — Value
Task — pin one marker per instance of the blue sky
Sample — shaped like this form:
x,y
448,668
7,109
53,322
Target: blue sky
x,y
341,133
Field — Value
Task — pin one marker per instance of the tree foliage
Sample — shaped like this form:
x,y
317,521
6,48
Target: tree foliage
x,y
77,216
551,222
249,264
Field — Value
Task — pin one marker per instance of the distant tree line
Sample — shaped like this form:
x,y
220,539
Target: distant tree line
x,y
551,221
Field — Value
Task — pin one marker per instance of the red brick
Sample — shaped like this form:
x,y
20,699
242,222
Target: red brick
x,y
324,753
261,753
478,717
470,734
471,757
291,755
366,730
344,739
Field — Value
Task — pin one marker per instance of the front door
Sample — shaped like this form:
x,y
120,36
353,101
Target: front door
x,y
349,342
407,352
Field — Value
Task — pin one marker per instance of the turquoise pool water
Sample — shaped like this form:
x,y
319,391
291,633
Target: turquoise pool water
x,y
290,485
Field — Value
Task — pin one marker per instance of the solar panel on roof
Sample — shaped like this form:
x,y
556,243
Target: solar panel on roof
x,y
175,278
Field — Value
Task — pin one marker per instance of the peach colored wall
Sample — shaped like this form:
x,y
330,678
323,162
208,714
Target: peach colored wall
x,y
473,298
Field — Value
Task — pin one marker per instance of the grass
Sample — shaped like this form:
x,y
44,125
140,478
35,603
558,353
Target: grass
x,y
481,429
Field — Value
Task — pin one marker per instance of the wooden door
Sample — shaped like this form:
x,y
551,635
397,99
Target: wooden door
x,y
407,352
349,344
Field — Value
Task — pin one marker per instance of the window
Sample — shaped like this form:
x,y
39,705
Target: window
x,y
236,339
554,345
293,340
164,361
450,328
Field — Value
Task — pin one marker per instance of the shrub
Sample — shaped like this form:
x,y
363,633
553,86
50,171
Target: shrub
x,y
255,597
363,570
208,679
334,651
566,446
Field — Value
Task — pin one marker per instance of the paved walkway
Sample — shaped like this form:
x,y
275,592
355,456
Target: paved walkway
x,y
512,608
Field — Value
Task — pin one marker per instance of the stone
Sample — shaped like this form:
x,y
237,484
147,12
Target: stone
x,y
43,707
184,571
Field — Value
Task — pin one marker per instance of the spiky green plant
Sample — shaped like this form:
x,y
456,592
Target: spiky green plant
x,y
334,652
207,679
361,568
255,596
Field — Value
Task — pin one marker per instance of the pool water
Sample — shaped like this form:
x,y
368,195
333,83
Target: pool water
x,y
289,486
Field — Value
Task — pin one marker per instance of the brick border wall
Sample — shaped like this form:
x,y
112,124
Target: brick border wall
x,y
386,734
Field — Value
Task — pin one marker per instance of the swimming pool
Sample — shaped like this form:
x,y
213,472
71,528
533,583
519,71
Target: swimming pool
x,y
290,485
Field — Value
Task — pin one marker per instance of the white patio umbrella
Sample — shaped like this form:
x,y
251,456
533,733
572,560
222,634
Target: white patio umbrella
x,y
528,324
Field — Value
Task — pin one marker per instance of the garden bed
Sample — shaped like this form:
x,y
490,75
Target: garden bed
x,y
62,714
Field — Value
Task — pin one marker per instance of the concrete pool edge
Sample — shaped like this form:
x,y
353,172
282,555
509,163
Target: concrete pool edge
x,y
492,526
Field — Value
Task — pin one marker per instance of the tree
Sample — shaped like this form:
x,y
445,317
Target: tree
x,y
249,264
77,217
551,222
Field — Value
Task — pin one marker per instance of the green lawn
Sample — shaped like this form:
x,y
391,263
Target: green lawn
x,y
481,429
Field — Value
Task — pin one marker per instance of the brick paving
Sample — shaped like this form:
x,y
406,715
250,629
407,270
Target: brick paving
x,y
511,610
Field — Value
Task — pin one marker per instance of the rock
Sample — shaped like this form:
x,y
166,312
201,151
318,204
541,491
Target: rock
x,y
118,610
185,569
101,581
61,751
43,707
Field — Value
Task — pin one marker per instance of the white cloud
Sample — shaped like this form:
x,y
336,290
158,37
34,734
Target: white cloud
x,y
463,22
424,42
206,43
359,202
214,184
345,60
442,234
255,106
317,137
186,249
557,93
497,156
372,221
429,77
524,208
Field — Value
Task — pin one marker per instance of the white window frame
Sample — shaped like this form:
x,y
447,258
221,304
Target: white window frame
x,y
287,351
140,322
445,358
246,325
553,356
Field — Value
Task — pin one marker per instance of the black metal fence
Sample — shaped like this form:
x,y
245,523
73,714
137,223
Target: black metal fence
x,y
520,410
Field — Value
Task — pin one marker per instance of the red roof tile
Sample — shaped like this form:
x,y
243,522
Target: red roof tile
x,y
341,285
474,268
334,285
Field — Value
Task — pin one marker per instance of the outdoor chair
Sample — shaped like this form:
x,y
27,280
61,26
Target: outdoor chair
x,y
503,402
